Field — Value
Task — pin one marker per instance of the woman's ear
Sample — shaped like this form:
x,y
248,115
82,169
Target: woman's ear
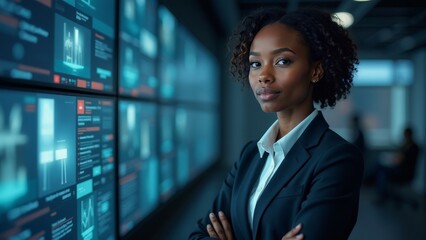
x,y
318,72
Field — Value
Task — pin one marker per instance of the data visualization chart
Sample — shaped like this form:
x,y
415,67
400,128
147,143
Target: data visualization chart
x,y
57,167
63,44
87,218
56,144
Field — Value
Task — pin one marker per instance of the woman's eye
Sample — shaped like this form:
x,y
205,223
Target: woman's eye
x,y
254,64
284,61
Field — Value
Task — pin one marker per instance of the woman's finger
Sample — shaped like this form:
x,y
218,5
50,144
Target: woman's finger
x,y
217,226
226,225
293,233
211,231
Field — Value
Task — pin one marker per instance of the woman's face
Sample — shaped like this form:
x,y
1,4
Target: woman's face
x,y
280,73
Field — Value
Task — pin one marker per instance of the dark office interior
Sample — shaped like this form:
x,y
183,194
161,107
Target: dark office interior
x,y
120,120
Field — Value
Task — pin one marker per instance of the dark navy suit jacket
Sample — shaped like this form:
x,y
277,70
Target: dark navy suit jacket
x,y
317,184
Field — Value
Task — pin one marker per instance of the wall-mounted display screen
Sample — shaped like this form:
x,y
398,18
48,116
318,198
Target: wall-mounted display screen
x,y
107,111
168,61
184,141
197,144
68,43
56,166
167,152
138,48
206,151
196,69
138,162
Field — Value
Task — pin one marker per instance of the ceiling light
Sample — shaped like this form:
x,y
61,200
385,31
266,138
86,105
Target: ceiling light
x,y
344,19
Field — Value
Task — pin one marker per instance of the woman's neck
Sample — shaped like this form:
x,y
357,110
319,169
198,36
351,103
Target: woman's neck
x,y
289,119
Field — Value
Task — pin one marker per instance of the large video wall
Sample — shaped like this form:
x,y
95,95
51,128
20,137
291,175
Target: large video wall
x,y
107,110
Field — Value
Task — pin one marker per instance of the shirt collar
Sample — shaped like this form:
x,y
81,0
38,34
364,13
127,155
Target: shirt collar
x,y
267,142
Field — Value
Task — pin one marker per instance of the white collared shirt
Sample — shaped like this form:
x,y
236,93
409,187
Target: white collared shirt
x,y
277,152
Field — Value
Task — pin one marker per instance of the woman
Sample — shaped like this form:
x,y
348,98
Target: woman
x,y
300,180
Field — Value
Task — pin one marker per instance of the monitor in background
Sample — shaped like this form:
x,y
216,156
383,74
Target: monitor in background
x,y
167,57
56,166
206,83
138,163
59,43
206,151
196,69
138,48
197,145
184,142
167,152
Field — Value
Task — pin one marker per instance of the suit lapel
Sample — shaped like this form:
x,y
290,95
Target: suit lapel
x,y
243,196
293,162
282,176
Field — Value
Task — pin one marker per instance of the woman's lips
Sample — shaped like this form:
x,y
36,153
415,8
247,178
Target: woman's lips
x,y
267,94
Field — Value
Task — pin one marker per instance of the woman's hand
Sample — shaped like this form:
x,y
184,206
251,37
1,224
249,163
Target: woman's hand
x,y
293,234
221,228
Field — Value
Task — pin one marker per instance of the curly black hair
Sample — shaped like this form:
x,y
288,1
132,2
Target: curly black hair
x,y
328,42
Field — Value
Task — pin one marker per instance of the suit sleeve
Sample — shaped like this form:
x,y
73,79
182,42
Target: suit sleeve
x,y
222,202
330,210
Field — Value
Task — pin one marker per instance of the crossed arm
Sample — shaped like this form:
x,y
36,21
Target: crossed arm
x,y
221,229
328,211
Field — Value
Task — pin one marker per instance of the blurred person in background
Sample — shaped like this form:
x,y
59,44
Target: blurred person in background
x,y
398,167
357,134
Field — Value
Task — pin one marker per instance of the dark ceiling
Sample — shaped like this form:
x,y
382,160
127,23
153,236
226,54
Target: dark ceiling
x,y
391,27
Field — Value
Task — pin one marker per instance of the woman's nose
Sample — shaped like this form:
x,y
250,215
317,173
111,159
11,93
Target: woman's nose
x,y
266,76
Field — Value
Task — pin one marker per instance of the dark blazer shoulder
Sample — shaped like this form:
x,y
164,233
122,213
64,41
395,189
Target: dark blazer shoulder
x,y
332,139
249,149
319,133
